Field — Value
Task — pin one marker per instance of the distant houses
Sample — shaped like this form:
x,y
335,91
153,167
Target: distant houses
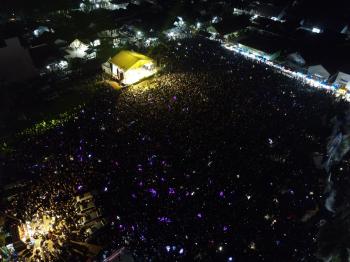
x,y
321,55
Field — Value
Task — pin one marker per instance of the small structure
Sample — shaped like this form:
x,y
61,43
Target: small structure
x,y
77,49
129,67
41,30
342,80
318,72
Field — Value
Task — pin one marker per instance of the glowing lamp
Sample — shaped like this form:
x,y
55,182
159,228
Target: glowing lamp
x,y
316,30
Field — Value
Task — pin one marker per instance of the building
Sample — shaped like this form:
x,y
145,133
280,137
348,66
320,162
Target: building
x,y
342,80
16,63
77,49
91,5
264,46
269,10
318,72
231,24
129,67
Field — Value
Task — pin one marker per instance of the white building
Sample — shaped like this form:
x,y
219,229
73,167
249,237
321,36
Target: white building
x,y
78,49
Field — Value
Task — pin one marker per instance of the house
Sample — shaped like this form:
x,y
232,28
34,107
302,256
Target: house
x,y
77,49
129,67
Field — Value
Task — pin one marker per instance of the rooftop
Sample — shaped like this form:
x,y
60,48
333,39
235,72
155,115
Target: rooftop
x,y
267,43
232,24
129,59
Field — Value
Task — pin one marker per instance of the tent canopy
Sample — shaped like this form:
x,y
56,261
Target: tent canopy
x,y
77,44
77,49
128,60
342,79
319,71
296,58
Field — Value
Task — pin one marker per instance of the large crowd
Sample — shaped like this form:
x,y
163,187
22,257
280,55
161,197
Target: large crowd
x,y
211,160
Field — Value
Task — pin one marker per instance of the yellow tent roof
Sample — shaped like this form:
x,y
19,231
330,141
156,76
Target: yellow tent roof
x,y
129,59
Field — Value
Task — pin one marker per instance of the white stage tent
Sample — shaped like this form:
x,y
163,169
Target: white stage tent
x,y
318,71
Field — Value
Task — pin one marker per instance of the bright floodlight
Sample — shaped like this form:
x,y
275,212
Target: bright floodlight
x,y
316,30
96,42
63,64
181,22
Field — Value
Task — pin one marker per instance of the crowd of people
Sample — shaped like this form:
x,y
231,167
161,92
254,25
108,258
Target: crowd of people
x,y
46,209
211,160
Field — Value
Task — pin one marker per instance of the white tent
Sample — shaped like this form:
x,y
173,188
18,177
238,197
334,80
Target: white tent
x,y
77,49
318,71
342,80
41,30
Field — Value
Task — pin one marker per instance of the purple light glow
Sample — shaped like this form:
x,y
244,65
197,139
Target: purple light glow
x,y
153,192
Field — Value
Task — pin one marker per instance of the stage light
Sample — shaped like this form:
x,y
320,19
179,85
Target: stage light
x,y
316,30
